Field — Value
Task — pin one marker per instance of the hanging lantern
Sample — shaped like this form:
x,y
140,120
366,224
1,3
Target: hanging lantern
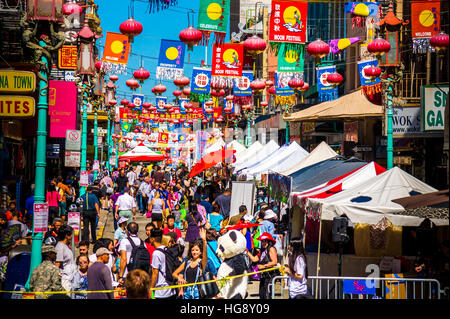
x,y
269,83
136,131
264,104
187,91
222,93
146,105
112,102
218,85
71,8
372,72
181,82
190,37
182,120
334,78
113,78
257,85
141,74
204,121
86,40
439,41
132,84
98,65
152,108
318,49
131,106
378,47
159,89
295,83
304,87
254,45
272,90
177,93
131,28
124,102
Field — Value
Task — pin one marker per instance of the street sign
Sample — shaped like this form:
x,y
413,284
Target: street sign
x,y
40,217
100,131
72,159
433,107
52,151
73,140
84,178
74,220
99,141
69,76
362,148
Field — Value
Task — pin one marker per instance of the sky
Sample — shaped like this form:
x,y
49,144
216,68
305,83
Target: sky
x,y
165,24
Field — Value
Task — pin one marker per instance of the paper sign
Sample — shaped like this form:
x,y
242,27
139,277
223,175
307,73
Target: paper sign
x,y
84,178
72,159
74,220
96,166
40,217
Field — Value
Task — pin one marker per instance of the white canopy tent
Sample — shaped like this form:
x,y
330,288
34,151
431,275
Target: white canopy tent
x,y
217,146
321,153
369,202
255,147
266,150
238,147
290,154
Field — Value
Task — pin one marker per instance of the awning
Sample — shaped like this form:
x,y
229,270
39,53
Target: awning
x,y
422,200
351,106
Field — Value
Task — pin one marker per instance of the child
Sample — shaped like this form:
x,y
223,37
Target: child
x,y
178,218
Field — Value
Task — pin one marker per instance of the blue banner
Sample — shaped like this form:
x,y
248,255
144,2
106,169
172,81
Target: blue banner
x,y
160,102
171,54
137,99
201,80
241,85
183,103
229,105
182,138
281,85
327,92
364,79
359,287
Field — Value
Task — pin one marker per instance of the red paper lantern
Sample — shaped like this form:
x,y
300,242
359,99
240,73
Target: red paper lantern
x,y
131,28
372,72
136,131
221,92
229,98
132,84
181,82
304,87
209,103
159,89
439,41
269,83
177,93
254,45
295,83
272,90
318,49
187,91
113,78
334,78
98,65
264,104
258,85
141,74
204,121
112,102
378,47
214,93
218,85
72,8
182,120
190,37
124,102
131,106
146,105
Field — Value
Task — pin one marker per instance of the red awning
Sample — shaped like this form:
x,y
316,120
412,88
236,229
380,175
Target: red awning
x,y
210,160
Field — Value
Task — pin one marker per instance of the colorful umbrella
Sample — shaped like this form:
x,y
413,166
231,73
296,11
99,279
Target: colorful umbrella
x,y
210,160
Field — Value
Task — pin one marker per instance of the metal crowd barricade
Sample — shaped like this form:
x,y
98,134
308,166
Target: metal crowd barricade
x,y
330,287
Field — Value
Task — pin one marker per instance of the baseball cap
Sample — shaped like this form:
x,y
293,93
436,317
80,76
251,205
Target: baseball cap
x,y
122,220
48,249
102,251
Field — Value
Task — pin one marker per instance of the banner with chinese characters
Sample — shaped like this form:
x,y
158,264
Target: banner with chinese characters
x,y
227,60
327,91
360,11
200,84
171,59
163,139
241,85
67,57
287,25
292,60
337,45
115,55
213,18
183,103
425,23
368,85
137,100
160,104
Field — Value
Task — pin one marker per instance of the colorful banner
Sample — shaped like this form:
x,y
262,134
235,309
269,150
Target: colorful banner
x,y
183,103
241,85
287,24
227,60
171,59
67,57
281,84
292,60
160,104
364,9
163,139
213,17
200,84
115,54
217,112
425,23
327,92
337,45
182,138
229,105
137,100
368,85
62,107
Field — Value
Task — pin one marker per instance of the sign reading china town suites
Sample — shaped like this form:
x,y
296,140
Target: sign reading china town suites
x,y
12,81
16,106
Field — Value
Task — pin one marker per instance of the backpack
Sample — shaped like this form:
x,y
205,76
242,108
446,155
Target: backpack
x,y
140,257
172,263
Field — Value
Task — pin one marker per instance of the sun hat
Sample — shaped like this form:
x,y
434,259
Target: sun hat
x,y
122,220
269,214
266,236
102,251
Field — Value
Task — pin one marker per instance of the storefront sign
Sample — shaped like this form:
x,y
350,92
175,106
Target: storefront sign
x,y
73,140
17,106
17,81
62,107
433,107
40,217
405,120
72,159
67,57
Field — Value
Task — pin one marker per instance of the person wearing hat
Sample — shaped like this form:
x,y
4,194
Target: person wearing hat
x,y
121,231
267,258
126,206
99,276
45,277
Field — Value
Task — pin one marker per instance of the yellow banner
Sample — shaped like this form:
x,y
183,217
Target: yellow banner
x,y
16,106
17,81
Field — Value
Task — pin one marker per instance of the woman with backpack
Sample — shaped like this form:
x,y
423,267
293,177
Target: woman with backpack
x,y
193,267
52,198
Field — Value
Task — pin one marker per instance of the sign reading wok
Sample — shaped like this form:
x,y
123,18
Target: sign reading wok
x,y
433,107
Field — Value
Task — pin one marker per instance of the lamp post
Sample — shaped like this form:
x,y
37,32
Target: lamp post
x,y
42,47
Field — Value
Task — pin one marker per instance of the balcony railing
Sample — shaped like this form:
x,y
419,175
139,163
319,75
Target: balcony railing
x,y
410,87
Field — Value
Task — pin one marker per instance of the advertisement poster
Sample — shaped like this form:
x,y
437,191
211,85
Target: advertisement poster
x,y
242,85
96,166
201,80
117,48
74,220
171,59
62,107
40,217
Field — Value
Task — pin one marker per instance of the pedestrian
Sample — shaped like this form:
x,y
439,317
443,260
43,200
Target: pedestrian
x,y
158,175
46,277
79,280
90,213
107,185
121,231
158,264
171,227
215,219
297,270
52,198
137,285
126,206
126,248
53,229
65,260
29,207
192,268
267,258
224,201
63,190
108,244
178,217
214,261
122,181
83,247
236,218
193,221
157,207
145,191
148,241
99,276
113,198
132,177
205,203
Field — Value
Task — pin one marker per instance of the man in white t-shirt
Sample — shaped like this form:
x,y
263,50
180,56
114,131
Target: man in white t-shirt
x,y
125,249
131,177
158,278
126,206
65,260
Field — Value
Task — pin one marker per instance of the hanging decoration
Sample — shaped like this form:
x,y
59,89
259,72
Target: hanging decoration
x,y
161,104
287,25
213,18
318,49
190,37
284,95
327,91
425,23
159,5
337,45
241,88
291,61
171,59
141,74
115,55
227,60
131,28
370,82
360,11
201,84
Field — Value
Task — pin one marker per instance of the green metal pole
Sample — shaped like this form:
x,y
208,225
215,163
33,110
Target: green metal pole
x,y
249,138
390,139
84,141
41,163
95,140
108,136
287,132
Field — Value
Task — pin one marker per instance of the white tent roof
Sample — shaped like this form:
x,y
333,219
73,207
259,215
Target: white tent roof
x,y
371,201
266,150
217,146
238,147
292,153
321,153
255,147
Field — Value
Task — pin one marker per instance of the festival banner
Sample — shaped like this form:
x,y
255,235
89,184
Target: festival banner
x,y
163,139
171,59
68,57
160,104
281,84
425,23
360,11
115,55
229,105
217,112
183,103
200,84
241,85
292,60
337,45
182,138
368,85
137,100
287,25
227,60
213,18
327,91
